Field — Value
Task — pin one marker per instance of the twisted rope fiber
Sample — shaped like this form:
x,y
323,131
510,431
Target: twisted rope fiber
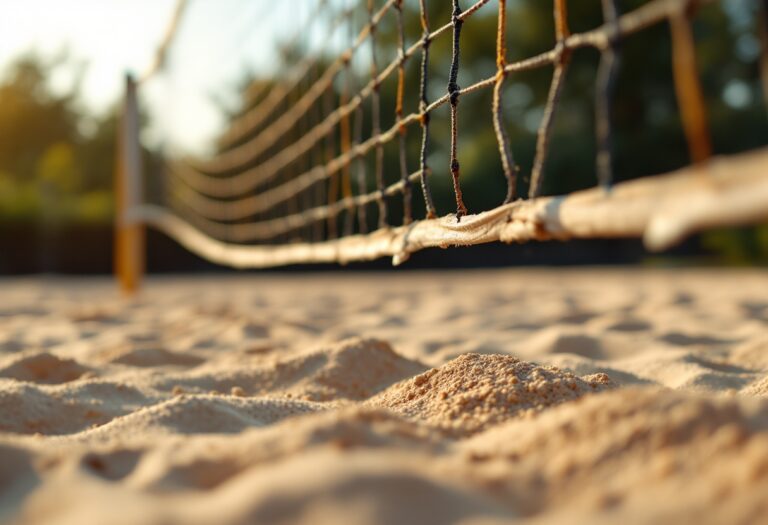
x,y
171,32
522,220
362,187
561,56
320,189
453,94
345,130
253,177
686,205
240,156
330,151
505,151
376,122
407,204
271,228
276,93
212,186
663,209
424,111
600,38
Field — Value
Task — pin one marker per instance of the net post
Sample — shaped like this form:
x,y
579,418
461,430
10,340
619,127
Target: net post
x,y
129,245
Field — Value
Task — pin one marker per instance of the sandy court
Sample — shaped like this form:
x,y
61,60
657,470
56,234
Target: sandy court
x,y
472,397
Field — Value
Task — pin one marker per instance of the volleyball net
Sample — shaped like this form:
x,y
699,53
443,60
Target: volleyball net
x,y
348,149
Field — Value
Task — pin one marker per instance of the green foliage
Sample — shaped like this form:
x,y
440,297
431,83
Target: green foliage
x,y
50,171
19,201
738,246
57,168
32,118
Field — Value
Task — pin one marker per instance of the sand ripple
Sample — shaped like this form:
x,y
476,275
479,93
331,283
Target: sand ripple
x,y
467,398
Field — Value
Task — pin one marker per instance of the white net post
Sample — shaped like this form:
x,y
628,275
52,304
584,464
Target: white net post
x,y
129,235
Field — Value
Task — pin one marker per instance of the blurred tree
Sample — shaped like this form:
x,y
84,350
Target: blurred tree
x,y
33,118
97,153
58,167
49,167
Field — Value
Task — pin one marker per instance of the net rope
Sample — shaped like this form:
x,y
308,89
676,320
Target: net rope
x,y
266,184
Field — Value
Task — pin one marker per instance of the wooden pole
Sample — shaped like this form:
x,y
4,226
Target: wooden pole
x,y
690,95
129,235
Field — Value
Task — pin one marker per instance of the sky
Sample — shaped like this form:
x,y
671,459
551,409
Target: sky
x,y
218,41
112,36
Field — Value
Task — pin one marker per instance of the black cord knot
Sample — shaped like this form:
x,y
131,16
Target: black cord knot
x,y
456,15
454,92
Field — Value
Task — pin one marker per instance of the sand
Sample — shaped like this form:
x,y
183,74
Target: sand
x,y
473,397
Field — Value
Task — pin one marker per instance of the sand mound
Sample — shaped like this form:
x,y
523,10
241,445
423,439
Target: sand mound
x,y
348,428
42,368
29,409
354,369
642,444
201,414
475,391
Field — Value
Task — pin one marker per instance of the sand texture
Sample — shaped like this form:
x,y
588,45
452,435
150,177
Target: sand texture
x,y
474,398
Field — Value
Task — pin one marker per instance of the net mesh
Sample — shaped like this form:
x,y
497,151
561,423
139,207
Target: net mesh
x,y
319,153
